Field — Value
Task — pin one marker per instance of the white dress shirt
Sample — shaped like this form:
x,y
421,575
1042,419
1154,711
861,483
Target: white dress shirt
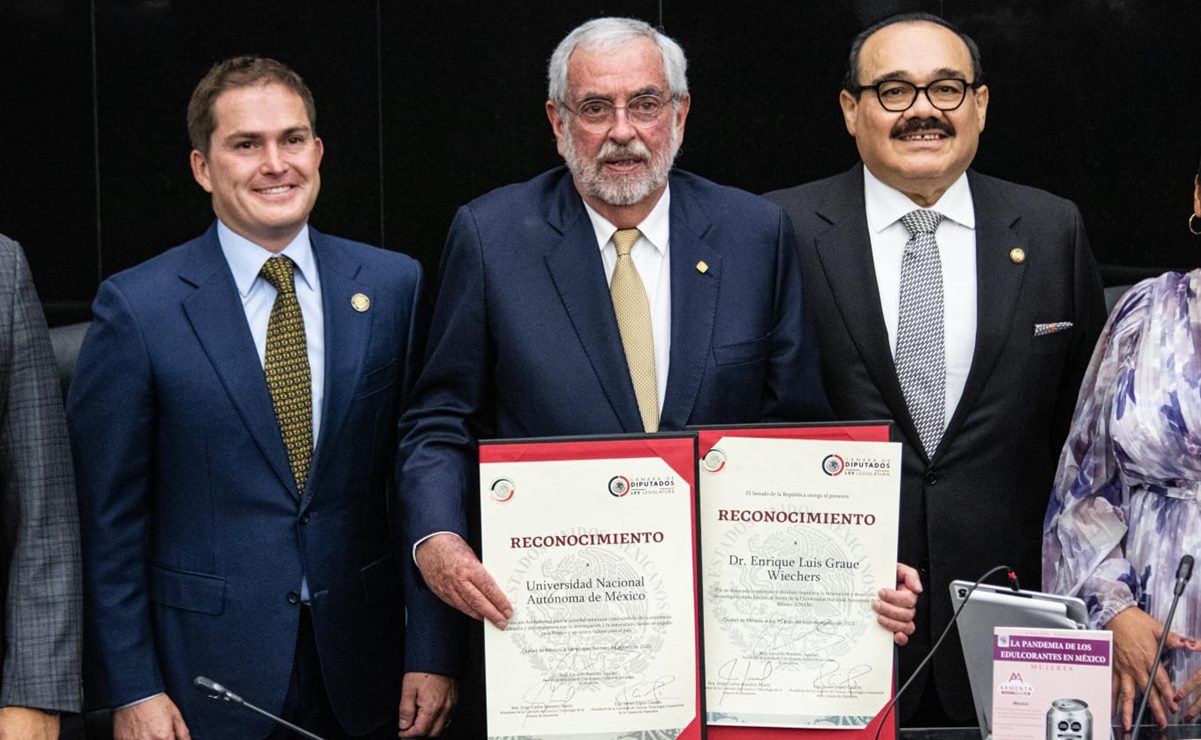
x,y
652,258
956,237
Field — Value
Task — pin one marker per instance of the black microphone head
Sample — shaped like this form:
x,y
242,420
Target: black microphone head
x,y
1183,572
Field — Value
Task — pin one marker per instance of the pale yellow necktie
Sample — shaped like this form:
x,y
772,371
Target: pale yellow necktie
x,y
634,321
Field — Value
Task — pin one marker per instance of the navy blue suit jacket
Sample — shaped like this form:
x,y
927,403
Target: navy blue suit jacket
x,y
524,341
194,536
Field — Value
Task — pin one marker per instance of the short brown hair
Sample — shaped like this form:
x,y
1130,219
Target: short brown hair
x,y
236,72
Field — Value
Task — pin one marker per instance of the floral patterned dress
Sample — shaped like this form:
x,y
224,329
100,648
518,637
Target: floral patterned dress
x,y
1125,504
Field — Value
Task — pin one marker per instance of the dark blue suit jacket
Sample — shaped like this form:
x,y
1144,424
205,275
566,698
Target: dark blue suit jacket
x,y
524,341
194,536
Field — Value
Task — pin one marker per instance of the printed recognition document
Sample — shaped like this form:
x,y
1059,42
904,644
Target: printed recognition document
x,y
594,542
797,534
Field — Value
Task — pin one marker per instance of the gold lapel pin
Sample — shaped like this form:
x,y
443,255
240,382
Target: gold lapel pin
x,y
1017,255
360,302
702,267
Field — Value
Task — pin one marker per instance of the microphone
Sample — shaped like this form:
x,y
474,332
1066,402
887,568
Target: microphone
x,y
1184,571
1011,577
217,691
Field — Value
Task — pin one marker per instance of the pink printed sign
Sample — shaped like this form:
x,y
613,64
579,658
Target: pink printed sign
x,y
1051,684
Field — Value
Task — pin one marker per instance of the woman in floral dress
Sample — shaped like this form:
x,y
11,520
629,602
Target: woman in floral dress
x,y
1127,498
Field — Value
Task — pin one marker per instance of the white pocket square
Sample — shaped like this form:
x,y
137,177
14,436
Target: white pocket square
x,y
1042,330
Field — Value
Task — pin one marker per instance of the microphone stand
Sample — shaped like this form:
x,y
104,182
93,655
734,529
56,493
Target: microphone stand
x,y
217,691
1013,584
1184,571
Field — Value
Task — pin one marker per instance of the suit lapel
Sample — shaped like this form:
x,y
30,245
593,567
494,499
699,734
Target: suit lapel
x,y
346,334
579,275
216,314
693,305
998,284
845,252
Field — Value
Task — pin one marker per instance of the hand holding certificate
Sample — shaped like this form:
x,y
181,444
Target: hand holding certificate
x,y
798,536
594,543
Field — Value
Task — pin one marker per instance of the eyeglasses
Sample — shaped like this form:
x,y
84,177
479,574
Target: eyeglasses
x,y
599,114
898,95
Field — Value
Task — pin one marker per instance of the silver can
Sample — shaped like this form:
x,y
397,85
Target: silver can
x,y
1069,719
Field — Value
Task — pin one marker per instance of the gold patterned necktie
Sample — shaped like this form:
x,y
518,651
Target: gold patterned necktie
x,y
634,321
287,369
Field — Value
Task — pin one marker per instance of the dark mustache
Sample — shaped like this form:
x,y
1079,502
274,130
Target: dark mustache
x,y
914,125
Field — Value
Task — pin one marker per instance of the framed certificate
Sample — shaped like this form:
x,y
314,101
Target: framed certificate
x,y
798,532
594,541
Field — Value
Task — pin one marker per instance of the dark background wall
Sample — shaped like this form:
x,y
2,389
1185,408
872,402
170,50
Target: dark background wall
x,y
424,104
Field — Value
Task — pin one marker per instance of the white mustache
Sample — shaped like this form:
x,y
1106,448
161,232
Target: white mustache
x,y
612,150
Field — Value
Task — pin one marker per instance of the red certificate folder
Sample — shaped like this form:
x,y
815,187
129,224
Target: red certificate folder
x,y
870,431
678,451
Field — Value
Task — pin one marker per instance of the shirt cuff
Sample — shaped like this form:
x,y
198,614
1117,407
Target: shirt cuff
x,y
423,539
139,701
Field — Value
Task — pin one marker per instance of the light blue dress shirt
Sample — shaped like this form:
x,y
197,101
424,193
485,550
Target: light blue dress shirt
x,y
246,259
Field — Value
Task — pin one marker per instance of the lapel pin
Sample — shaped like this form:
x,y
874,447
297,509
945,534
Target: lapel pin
x,y
1017,255
702,267
360,302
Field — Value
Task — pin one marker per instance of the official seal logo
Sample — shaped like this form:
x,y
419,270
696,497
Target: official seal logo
x,y
503,490
713,461
619,485
832,465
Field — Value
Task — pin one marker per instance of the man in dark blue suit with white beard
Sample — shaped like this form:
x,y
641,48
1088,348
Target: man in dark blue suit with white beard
x,y
613,295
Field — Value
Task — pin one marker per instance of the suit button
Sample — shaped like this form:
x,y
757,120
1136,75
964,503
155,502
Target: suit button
x,y
931,478
293,597
304,518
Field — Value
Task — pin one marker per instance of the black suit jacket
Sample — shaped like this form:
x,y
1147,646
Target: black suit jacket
x,y
979,500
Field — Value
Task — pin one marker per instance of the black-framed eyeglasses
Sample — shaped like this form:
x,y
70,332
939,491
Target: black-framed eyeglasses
x,y
898,96
599,113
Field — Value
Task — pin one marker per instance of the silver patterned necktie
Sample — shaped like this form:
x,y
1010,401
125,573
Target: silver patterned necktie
x,y
920,357
634,322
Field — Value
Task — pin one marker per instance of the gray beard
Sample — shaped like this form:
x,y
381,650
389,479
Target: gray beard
x,y
621,190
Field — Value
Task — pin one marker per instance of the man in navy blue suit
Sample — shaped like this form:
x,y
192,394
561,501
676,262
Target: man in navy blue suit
x,y
536,331
233,421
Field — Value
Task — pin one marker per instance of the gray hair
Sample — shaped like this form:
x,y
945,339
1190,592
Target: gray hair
x,y
609,33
